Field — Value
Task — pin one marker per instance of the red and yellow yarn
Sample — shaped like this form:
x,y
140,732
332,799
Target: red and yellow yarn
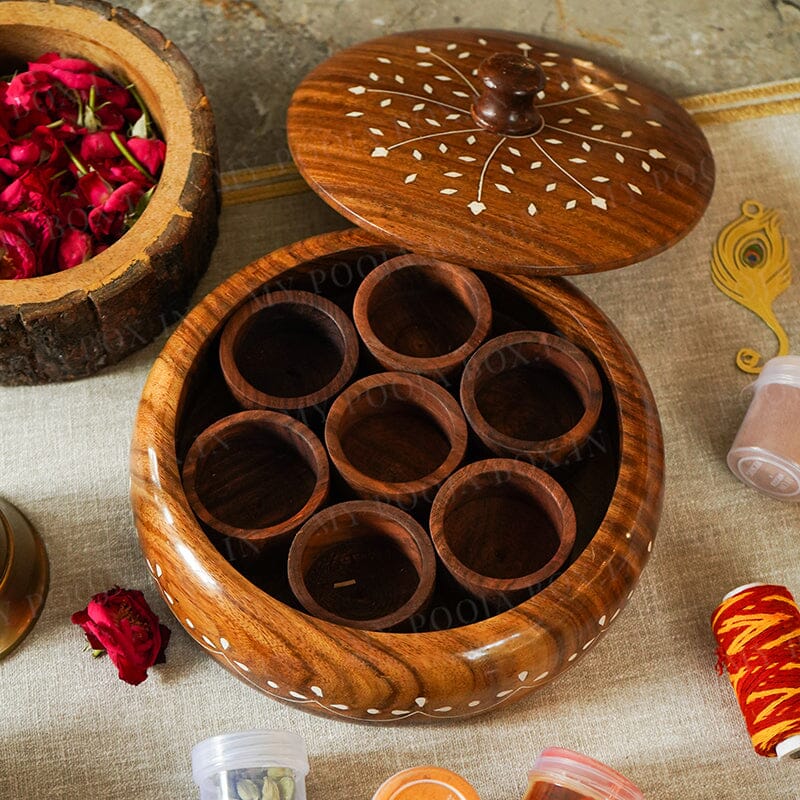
x,y
758,634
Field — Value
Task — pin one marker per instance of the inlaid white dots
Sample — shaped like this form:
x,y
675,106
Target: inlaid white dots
x,y
588,644
420,701
586,146
272,684
427,88
634,188
524,46
297,695
532,209
467,158
379,152
565,86
476,207
503,188
224,643
424,63
465,54
443,709
399,712
376,131
565,121
452,46
471,140
598,127
459,93
623,87
421,48
357,89
242,666
612,106
442,148
600,202
449,190
417,155
540,95
645,166
602,621
340,706
626,134
580,62
507,168
514,151
354,114
551,187
373,76
653,123
453,174
149,566
633,101
600,179
159,571
443,78
373,711
504,693
650,546
584,111
410,178
541,677
418,107
523,675
572,657
578,160
386,103
655,153
400,79
169,598
570,204
316,690
619,157
553,55
482,41
554,141
384,60
536,164
548,64
208,641
452,116
473,703
403,124
434,122
615,614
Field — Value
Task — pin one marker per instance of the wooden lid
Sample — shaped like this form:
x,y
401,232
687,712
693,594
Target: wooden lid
x,y
499,151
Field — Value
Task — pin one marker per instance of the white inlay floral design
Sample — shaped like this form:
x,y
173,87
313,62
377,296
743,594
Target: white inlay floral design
x,y
434,121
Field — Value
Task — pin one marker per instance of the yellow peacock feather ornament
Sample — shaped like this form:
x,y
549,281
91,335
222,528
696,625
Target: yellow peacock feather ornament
x,y
750,264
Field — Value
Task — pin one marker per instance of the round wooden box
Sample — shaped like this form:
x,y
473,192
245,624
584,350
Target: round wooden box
x,y
362,675
444,144
71,324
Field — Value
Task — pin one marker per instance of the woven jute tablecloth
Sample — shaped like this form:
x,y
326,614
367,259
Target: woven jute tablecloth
x,y
647,700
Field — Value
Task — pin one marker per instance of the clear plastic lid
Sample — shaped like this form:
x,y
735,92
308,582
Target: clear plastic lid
x,y
246,750
783,369
603,781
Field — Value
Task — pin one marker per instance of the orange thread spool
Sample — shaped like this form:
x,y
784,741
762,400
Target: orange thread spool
x,y
757,628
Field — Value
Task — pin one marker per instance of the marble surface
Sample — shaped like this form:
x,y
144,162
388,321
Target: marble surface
x,y
251,54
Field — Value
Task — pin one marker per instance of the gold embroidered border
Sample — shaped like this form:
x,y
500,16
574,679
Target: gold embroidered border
x,y
770,99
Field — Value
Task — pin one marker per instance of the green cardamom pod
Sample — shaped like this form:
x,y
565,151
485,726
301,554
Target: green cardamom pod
x,y
248,790
287,788
279,772
270,791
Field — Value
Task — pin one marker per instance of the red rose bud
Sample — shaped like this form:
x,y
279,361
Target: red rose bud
x,y
98,147
17,257
26,153
121,622
74,248
149,153
93,189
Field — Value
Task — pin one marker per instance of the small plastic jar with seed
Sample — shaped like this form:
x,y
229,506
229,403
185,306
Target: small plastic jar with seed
x,y
251,765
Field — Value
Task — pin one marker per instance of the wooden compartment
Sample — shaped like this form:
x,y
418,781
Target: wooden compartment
x,y
71,324
463,655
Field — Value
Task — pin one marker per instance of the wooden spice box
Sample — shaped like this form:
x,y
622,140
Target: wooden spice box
x,y
465,653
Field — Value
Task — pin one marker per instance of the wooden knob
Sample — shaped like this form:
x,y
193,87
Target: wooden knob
x,y
510,83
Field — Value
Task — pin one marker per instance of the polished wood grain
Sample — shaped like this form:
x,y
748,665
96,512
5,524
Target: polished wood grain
x,y
288,351
24,577
422,315
256,475
385,132
362,564
443,672
517,408
395,437
73,323
502,527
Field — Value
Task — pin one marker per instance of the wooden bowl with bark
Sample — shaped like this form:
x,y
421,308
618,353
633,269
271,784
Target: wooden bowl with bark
x,y
462,655
71,324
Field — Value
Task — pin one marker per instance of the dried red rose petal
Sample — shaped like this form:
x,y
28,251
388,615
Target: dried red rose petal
x,y
17,257
122,623
74,248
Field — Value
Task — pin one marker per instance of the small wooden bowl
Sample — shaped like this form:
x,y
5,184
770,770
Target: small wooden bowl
x,y
418,314
288,351
362,564
502,527
518,410
256,476
395,437
71,324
